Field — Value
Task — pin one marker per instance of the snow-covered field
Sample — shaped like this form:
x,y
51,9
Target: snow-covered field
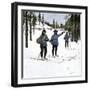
x,y
67,64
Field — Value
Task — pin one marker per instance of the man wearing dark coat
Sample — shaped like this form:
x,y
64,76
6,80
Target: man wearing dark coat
x,y
42,40
54,42
66,38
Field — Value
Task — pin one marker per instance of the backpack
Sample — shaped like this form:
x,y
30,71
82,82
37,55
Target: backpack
x,y
38,40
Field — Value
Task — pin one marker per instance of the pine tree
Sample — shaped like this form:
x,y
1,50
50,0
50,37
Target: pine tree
x,y
61,25
43,20
34,22
73,26
57,26
54,23
26,33
39,17
30,24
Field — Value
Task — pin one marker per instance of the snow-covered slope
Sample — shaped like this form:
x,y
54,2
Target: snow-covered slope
x,y
41,26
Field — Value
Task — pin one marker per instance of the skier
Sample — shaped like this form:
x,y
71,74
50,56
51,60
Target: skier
x,y
66,38
55,43
42,40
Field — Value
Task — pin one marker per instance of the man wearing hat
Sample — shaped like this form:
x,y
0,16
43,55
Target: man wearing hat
x,y
66,38
42,40
54,42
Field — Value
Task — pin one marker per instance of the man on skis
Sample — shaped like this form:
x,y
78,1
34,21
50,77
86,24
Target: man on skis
x,y
66,38
54,42
42,40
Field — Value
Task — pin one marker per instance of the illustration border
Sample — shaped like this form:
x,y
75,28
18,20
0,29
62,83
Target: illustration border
x,y
22,50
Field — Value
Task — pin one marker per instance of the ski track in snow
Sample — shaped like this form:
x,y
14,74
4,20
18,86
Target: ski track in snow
x,y
67,64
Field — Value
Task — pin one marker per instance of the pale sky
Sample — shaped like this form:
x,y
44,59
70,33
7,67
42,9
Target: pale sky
x,y
59,17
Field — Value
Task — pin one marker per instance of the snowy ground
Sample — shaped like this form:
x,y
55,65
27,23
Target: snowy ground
x,y
67,64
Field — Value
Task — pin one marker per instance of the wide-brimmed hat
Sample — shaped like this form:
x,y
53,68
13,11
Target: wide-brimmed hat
x,y
55,31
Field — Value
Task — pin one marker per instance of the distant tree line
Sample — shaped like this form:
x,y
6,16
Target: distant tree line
x,y
54,24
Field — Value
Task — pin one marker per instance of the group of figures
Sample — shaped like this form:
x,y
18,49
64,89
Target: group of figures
x,y
43,39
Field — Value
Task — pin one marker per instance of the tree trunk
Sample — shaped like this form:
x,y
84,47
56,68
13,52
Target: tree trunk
x,y
75,30
33,29
30,29
72,31
26,33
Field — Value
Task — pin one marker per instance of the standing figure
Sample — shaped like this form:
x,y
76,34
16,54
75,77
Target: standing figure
x,y
42,40
66,38
54,42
